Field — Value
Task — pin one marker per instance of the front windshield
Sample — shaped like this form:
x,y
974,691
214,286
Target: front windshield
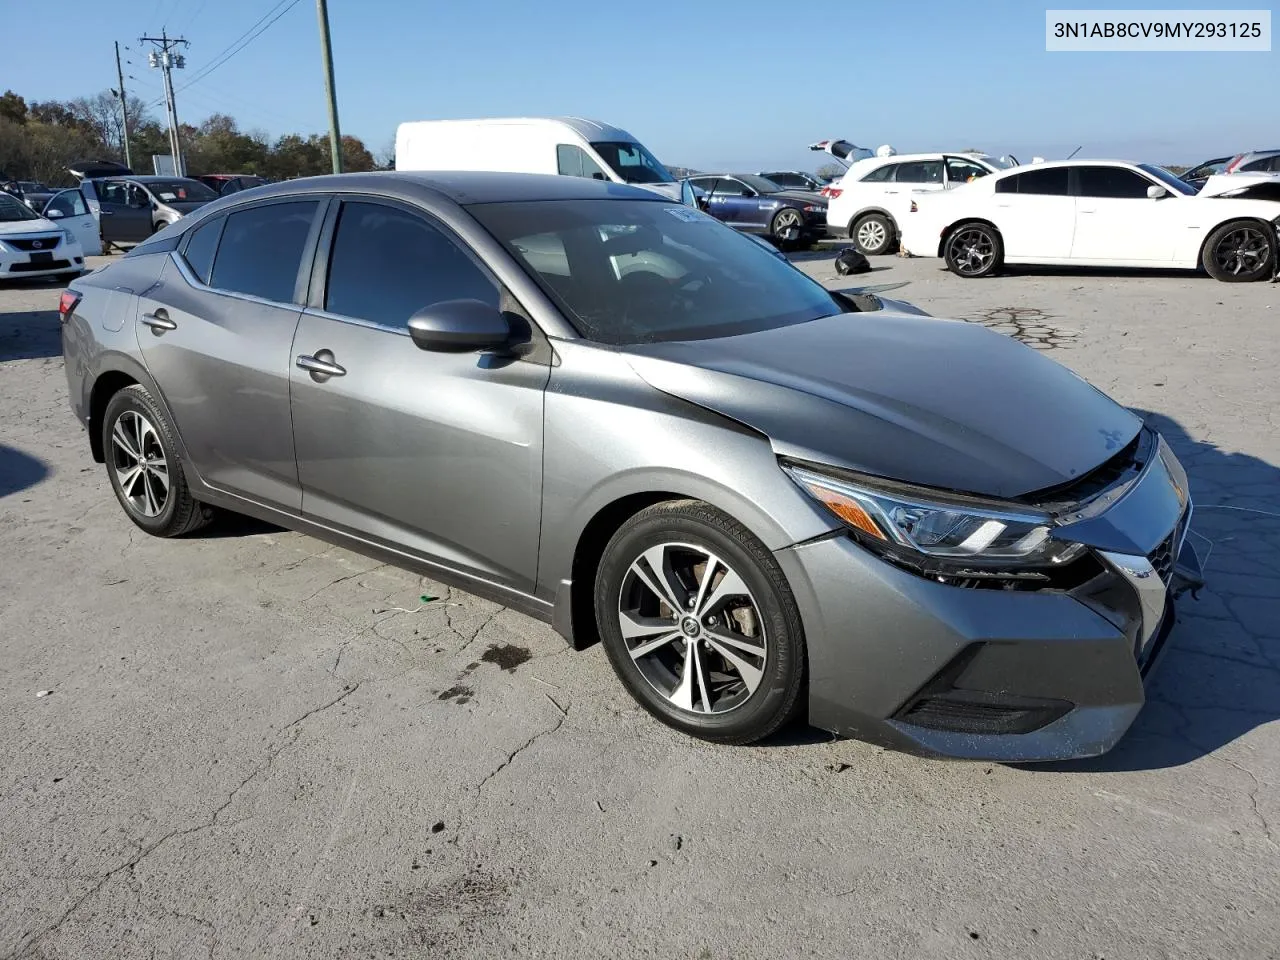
x,y
1176,184
632,162
1000,163
180,191
11,210
633,271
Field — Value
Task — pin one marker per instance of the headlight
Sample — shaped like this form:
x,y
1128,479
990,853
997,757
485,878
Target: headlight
x,y
937,534
67,236
814,208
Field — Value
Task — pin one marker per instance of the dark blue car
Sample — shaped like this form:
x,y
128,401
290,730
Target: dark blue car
x,y
753,204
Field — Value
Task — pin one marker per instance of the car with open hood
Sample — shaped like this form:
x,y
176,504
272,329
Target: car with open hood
x,y
765,499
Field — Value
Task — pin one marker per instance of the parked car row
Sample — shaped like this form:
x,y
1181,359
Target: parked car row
x,y
758,205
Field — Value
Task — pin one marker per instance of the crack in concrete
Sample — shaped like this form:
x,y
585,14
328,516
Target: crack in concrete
x,y
334,583
522,748
24,950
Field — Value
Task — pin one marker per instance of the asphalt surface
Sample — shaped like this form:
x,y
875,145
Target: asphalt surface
x,y
256,745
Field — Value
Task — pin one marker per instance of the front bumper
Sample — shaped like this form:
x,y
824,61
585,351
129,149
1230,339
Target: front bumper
x,y
990,674
21,264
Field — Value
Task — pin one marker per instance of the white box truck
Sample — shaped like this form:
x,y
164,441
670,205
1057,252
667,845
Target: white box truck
x,y
569,146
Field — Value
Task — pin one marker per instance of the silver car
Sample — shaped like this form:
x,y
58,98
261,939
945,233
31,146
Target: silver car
x,y
609,411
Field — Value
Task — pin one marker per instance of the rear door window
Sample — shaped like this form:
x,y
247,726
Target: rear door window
x,y
919,171
1113,183
261,250
1049,182
387,264
880,174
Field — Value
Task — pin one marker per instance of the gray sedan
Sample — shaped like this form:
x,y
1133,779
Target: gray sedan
x,y
609,411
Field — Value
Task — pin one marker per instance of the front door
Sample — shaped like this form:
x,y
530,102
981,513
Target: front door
x,y
126,211
215,333
71,212
1117,222
436,453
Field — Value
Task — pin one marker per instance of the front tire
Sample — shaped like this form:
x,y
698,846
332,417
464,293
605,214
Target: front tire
x,y
699,623
974,250
1240,252
873,234
144,468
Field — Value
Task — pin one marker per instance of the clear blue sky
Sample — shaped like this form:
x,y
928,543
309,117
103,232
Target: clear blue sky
x,y
708,85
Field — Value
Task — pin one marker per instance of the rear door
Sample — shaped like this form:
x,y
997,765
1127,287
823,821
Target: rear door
x,y
71,212
126,216
439,453
1035,213
215,333
1116,222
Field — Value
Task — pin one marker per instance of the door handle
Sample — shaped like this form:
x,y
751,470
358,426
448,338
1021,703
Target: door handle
x,y
159,322
321,366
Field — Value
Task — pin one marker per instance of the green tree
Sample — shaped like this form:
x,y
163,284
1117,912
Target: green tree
x,y
13,107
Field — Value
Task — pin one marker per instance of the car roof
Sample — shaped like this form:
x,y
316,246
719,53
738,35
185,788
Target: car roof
x,y
463,187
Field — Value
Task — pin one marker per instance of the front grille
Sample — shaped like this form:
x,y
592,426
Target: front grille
x,y
34,267
33,243
1162,559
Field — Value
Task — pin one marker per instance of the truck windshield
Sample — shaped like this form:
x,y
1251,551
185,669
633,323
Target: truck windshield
x,y
632,162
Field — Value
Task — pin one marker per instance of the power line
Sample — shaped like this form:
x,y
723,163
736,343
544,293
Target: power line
x,y
244,40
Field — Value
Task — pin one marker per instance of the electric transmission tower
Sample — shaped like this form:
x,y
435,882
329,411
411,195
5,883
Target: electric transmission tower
x,y
167,61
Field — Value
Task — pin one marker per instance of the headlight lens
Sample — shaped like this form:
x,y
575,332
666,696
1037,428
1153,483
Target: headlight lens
x,y
67,236
965,539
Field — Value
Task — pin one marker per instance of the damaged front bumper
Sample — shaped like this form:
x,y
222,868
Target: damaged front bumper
x,y
954,671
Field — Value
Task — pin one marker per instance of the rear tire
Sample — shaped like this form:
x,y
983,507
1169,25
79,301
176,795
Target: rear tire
x,y
785,220
974,250
144,469
730,609
874,234
1241,251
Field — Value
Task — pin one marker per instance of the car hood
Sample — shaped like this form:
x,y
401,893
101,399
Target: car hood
x,y
941,403
22,227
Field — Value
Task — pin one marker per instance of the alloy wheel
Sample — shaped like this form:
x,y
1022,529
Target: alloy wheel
x,y
972,251
1243,250
140,466
692,628
871,235
786,222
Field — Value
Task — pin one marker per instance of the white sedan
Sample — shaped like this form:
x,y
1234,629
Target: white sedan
x,y
31,246
1101,213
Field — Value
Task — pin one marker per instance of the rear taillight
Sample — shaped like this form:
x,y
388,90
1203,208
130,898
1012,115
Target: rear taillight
x,y
1235,162
915,207
67,304
833,192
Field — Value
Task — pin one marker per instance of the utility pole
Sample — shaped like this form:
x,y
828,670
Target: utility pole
x,y
167,61
326,53
124,109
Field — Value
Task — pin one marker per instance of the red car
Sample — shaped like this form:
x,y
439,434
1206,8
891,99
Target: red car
x,y
228,183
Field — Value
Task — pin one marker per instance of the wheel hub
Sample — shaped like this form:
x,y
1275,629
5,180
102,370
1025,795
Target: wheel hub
x,y
690,627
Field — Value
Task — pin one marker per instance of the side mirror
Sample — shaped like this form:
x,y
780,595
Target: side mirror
x,y
1155,192
459,325
54,214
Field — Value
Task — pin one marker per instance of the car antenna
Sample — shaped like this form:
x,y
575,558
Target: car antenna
x,y
1075,151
